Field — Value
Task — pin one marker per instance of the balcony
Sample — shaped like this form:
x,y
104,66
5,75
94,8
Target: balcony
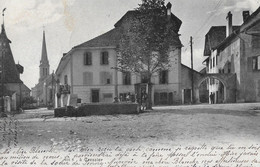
x,y
64,89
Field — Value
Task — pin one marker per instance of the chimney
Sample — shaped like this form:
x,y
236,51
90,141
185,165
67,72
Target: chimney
x,y
245,14
169,6
229,24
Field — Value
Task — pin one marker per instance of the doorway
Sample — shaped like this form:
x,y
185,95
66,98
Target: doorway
x,y
95,95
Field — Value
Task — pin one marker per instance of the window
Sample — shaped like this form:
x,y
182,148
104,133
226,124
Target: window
x,y
163,77
213,61
144,77
126,78
87,58
210,63
65,79
255,42
87,78
104,58
105,78
256,63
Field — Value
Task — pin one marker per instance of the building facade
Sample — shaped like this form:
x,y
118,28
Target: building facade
x,y
87,72
237,53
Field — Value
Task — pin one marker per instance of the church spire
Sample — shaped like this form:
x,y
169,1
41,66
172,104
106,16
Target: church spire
x,y
44,62
44,57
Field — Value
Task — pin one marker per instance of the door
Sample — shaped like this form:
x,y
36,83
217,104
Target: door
x,y
95,96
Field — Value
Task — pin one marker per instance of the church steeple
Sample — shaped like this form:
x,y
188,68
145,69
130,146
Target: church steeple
x,y
44,62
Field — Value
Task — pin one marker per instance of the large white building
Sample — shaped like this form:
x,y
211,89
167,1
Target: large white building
x,y
87,73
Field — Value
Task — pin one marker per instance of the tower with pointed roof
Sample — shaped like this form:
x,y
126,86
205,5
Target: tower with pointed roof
x,y
44,62
10,71
11,84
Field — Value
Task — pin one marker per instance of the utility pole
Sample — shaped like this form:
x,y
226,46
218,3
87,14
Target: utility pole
x,y
192,79
52,89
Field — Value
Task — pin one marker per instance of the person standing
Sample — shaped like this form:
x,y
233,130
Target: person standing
x,y
144,99
211,96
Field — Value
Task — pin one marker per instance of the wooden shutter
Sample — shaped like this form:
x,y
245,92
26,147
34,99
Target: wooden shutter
x,y
111,77
102,78
249,64
170,98
90,59
87,78
101,58
167,76
84,78
156,98
85,59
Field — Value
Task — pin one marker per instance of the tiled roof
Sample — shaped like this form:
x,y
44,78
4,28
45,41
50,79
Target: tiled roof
x,y
110,38
175,20
11,74
214,37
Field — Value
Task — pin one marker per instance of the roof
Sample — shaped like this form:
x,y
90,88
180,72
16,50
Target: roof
x,y
175,20
248,23
11,74
110,38
44,57
214,37
206,60
184,66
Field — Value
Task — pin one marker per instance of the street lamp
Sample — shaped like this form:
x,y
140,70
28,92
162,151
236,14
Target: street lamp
x,y
2,45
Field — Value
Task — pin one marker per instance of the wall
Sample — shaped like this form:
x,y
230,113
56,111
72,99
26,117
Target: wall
x,y
84,91
250,79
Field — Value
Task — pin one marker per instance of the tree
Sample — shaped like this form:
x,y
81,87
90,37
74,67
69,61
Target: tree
x,y
145,42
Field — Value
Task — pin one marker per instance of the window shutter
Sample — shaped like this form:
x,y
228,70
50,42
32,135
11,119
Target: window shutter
x,y
160,77
85,59
90,78
249,64
101,58
170,98
84,78
156,98
258,62
107,58
167,76
102,78
90,59
111,78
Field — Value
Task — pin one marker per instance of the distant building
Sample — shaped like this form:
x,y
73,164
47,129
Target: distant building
x,y
43,92
235,59
13,89
85,73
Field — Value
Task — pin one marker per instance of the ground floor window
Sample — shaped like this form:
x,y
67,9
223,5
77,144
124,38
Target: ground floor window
x,y
163,98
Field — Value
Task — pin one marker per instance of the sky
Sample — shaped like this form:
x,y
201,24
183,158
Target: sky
x,y
68,23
